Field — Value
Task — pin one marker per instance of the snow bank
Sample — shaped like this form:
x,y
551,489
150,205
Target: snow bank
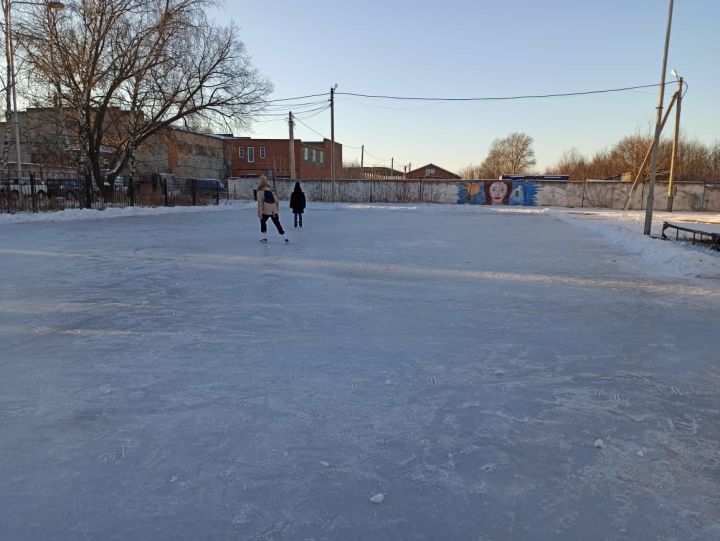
x,y
625,229
112,212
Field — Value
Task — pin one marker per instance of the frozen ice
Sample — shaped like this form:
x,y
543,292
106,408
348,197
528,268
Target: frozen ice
x,y
163,375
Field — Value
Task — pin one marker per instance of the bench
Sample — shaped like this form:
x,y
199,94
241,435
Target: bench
x,y
713,239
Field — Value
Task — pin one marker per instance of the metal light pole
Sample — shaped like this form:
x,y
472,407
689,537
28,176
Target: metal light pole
x,y
676,142
658,129
10,58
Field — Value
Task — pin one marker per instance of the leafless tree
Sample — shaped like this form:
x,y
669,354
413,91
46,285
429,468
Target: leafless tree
x,y
471,172
130,68
695,161
510,155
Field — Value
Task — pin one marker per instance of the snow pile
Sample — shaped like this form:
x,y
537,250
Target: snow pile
x,y
114,212
625,229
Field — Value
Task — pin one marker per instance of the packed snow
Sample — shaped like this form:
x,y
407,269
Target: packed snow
x,y
164,375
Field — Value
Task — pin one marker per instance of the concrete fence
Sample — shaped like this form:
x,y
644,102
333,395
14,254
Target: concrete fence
x,y
689,196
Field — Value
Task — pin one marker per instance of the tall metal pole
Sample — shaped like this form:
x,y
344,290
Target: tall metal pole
x,y
658,121
291,123
675,147
332,148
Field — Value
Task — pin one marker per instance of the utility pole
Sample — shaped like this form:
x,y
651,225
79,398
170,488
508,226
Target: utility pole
x,y
291,123
675,147
649,152
10,83
8,95
362,162
658,121
332,137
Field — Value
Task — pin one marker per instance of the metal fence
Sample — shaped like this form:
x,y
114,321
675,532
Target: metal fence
x,y
54,194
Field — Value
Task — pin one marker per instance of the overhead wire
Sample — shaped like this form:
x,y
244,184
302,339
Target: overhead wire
x,y
314,108
500,98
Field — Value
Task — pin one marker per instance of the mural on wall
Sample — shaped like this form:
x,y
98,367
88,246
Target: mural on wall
x,y
497,192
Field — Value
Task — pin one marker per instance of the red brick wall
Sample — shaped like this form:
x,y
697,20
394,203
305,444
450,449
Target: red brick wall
x,y
277,158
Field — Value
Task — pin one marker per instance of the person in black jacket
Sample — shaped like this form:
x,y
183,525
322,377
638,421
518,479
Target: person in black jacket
x,y
297,204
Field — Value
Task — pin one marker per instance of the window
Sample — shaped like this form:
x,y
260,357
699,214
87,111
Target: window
x,y
241,152
313,155
306,153
262,152
251,154
321,156
430,172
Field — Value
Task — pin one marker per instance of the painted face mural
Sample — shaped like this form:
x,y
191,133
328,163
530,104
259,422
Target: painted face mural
x,y
498,191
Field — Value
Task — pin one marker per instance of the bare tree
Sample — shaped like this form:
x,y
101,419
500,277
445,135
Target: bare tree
x,y
513,154
130,68
696,161
471,171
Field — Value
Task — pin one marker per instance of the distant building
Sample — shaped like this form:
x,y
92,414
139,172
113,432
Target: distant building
x,y
372,173
431,172
271,157
50,146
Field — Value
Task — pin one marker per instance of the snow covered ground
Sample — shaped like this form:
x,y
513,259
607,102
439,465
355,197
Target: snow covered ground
x,y
418,373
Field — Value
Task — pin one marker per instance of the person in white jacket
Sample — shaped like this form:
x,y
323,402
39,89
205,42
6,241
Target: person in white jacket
x,y
268,207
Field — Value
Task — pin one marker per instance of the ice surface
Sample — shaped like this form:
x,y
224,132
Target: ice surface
x,y
169,377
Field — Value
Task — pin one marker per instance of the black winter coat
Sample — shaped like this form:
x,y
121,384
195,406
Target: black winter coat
x,y
297,202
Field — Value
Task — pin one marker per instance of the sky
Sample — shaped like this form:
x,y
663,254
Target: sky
x,y
459,48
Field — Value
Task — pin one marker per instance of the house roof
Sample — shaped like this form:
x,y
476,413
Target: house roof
x,y
419,169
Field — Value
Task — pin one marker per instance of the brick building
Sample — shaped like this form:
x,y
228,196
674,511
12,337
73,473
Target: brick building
x,y
49,145
271,157
48,138
430,172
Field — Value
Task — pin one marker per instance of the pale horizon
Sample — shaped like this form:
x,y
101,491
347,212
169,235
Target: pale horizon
x,y
479,49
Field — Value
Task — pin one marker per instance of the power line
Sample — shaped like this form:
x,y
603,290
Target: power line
x,y
501,98
482,98
286,106
296,98
309,128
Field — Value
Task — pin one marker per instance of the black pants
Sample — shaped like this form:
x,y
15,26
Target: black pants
x,y
298,218
275,219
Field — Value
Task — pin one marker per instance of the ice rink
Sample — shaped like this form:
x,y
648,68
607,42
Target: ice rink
x,y
169,377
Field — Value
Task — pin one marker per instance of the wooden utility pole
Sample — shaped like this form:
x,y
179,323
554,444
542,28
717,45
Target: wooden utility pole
x,y
656,145
648,153
676,142
362,161
332,138
291,124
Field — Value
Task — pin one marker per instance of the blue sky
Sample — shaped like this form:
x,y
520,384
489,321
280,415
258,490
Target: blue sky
x,y
481,48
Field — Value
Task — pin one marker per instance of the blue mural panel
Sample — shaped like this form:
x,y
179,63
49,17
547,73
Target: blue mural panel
x,y
498,192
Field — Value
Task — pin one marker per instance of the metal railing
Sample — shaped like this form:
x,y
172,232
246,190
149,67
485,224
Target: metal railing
x,y
55,194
